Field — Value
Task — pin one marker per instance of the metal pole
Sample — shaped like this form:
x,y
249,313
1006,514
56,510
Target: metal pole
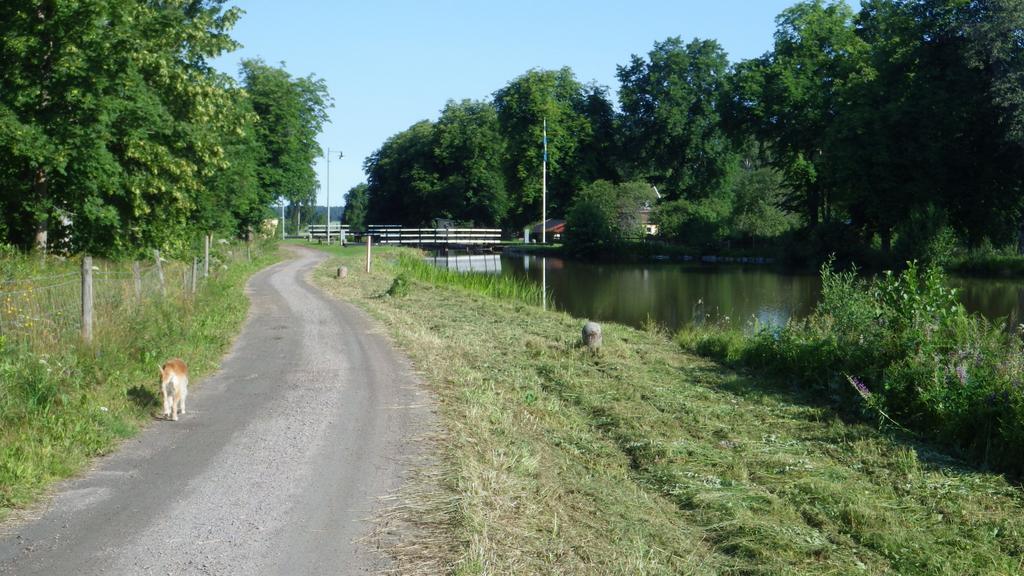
x,y
544,190
328,196
195,272
87,299
282,218
206,256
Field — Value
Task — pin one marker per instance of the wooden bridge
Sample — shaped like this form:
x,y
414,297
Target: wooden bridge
x,y
435,237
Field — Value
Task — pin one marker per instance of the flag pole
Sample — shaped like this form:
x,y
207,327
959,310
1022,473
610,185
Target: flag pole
x,y
544,190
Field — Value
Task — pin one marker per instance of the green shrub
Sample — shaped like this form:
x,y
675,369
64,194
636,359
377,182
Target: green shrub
x,y
605,214
399,286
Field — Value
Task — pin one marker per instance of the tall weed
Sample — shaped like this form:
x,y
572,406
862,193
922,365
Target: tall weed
x,y
503,287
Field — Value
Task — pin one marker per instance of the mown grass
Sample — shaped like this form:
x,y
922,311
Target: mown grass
x,y
644,459
63,405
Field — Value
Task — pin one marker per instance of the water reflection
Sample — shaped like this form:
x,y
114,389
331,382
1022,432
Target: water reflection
x,y
487,263
998,299
677,294
670,294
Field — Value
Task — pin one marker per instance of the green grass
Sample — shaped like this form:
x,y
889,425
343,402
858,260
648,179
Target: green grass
x,y
644,459
494,285
62,405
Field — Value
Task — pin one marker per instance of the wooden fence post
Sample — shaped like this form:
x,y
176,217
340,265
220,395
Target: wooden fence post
x,y
87,299
369,243
195,272
137,277
160,273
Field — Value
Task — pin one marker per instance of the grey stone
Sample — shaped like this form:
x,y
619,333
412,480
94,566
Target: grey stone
x,y
592,335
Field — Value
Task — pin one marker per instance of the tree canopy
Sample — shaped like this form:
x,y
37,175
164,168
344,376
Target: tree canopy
x,y
897,123
116,134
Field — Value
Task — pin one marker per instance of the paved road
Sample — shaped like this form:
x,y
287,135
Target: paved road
x,y
275,468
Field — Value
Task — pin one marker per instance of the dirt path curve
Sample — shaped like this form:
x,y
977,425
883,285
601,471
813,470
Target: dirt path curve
x,y
275,468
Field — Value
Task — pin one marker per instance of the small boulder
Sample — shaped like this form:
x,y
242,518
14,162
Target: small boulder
x,y
592,336
342,272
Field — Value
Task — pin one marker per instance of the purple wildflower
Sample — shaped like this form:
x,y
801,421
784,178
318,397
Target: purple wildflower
x,y
861,387
961,373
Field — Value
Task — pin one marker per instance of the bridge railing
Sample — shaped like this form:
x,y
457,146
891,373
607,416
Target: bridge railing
x,y
434,236
319,231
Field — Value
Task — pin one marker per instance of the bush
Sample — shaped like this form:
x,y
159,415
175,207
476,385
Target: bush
x,y
700,223
913,352
987,260
605,214
925,236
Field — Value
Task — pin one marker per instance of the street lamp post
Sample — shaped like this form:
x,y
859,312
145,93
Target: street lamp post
x,y
340,156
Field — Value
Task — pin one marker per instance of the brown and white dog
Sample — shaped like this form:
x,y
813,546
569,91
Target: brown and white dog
x,y
174,386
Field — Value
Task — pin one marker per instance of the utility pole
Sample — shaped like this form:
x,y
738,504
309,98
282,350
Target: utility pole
x,y
340,156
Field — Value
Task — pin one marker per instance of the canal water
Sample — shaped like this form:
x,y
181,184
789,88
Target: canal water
x,y
675,294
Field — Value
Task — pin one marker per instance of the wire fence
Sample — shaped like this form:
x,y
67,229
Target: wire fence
x,y
47,310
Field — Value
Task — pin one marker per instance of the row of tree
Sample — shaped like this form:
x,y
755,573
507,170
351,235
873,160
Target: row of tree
x,y
117,135
902,120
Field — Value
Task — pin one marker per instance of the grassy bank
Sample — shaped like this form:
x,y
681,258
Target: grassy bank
x,y
988,264
63,403
638,251
645,459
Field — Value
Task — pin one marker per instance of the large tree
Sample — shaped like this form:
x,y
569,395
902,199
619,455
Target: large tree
x,y
929,124
469,150
290,114
790,95
108,117
524,105
233,201
403,178
356,205
671,122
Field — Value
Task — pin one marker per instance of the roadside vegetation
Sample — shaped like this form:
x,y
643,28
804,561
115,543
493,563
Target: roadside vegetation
x,y
63,401
903,347
118,139
646,459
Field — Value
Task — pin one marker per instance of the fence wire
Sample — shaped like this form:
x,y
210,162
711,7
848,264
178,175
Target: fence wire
x,y
46,310
40,314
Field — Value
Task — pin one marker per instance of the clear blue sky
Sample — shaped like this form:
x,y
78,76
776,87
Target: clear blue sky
x,y
391,63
